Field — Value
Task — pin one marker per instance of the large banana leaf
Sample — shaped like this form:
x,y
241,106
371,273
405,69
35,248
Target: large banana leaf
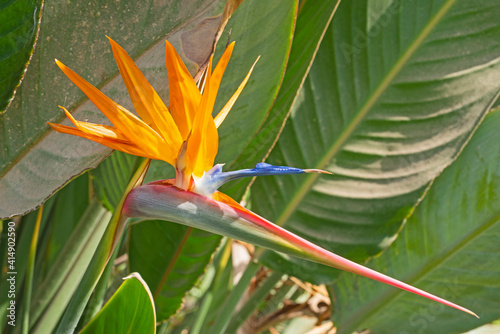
x,y
313,19
386,107
262,28
451,245
35,158
19,22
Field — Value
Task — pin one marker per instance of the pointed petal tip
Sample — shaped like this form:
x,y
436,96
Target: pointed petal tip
x,y
230,46
463,309
168,43
253,66
115,47
56,127
319,171
112,41
472,313
61,65
65,110
71,118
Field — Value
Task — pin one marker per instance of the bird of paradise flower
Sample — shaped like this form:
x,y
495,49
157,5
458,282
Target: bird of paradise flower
x,y
185,136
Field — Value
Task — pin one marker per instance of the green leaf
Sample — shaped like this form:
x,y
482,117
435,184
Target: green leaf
x,y
219,279
129,310
393,95
54,293
24,229
171,258
234,297
486,329
19,20
449,246
262,28
256,299
41,159
28,281
159,170
70,203
23,237
111,177
104,252
106,283
313,18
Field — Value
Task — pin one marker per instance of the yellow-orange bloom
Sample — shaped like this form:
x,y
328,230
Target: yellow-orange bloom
x,y
186,137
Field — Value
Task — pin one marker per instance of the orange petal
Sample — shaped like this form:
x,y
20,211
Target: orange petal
x,y
99,130
221,197
126,147
146,101
225,110
130,125
184,95
204,140
216,78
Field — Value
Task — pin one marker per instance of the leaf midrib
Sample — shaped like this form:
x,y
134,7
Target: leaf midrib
x,y
370,102
387,297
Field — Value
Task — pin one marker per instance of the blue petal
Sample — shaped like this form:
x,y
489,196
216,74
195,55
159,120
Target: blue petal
x,y
214,178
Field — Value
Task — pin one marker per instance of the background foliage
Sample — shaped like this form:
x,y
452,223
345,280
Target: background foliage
x,y
395,98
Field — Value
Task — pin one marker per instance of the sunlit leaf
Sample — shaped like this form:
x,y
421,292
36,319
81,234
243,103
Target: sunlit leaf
x,y
171,258
450,246
259,28
312,20
129,310
385,109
